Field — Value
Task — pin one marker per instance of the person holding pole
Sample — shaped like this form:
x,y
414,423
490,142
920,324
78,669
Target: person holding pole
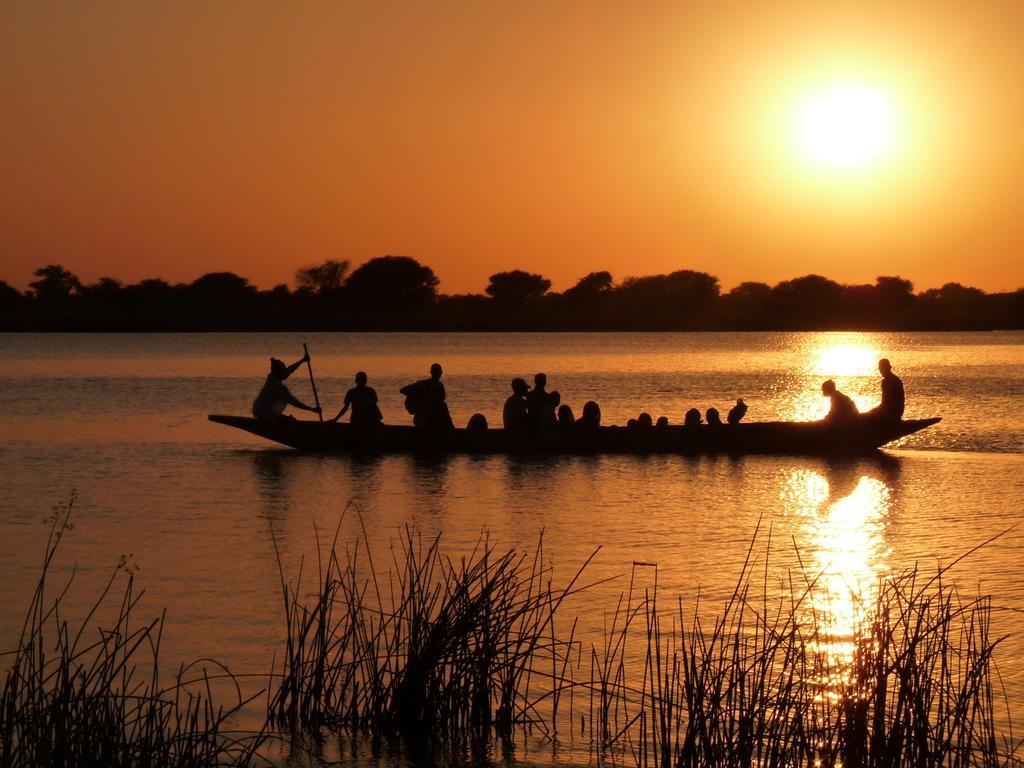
x,y
312,382
275,397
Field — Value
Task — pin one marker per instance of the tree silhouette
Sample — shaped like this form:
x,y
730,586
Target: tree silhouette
x,y
221,288
746,306
811,302
105,287
953,306
323,278
894,292
399,293
54,284
516,288
151,289
886,304
680,299
392,282
1015,309
11,298
590,286
221,301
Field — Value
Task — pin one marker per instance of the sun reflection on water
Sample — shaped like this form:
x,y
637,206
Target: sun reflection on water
x,y
844,359
851,359
842,546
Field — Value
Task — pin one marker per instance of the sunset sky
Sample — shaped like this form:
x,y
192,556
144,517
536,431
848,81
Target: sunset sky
x,y
755,141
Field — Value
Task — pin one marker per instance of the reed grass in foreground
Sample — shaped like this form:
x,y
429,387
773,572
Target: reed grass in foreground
x,y
436,648
758,685
453,652
75,695
463,650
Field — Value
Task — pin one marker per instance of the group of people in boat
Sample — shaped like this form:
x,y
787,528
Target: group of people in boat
x,y
692,418
536,412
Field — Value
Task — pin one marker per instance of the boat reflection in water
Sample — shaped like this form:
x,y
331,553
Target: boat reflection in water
x,y
842,515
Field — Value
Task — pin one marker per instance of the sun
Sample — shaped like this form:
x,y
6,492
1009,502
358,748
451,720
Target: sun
x,y
846,128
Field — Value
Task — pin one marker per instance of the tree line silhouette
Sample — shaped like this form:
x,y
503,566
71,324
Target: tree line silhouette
x,y
397,293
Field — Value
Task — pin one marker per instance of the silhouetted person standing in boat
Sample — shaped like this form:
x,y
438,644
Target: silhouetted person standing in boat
x,y
513,415
894,399
363,402
537,404
425,400
843,409
275,397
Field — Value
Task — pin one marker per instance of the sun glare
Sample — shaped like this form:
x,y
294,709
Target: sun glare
x,y
849,359
846,128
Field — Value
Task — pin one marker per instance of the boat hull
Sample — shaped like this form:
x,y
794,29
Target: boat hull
x,y
816,438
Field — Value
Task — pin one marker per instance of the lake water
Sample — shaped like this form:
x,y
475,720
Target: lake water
x,y
121,419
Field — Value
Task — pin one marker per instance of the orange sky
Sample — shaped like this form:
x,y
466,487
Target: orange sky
x,y
171,139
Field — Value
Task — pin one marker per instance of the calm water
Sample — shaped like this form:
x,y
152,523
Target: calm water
x,y
122,419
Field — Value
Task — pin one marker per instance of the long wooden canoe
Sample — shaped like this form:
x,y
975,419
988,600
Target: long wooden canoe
x,y
817,438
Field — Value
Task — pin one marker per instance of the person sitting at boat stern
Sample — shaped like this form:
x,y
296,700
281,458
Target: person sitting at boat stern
x,y
275,397
425,400
363,402
843,409
894,399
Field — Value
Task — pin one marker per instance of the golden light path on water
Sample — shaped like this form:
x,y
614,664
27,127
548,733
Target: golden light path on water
x,y
842,545
842,513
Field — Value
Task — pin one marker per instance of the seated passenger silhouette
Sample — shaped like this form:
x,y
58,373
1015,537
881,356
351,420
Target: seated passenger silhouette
x,y
363,402
274,397
590,419
692,418
661,423
513,415
843,409
425,400
631,424
551,411
737,412
537,404
477,423
566,419
644,421
712,417
894,399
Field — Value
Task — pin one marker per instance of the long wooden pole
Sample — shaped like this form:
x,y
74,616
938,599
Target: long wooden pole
x,y
312,381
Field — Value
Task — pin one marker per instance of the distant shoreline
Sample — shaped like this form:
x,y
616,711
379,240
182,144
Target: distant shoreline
x,y
398,294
